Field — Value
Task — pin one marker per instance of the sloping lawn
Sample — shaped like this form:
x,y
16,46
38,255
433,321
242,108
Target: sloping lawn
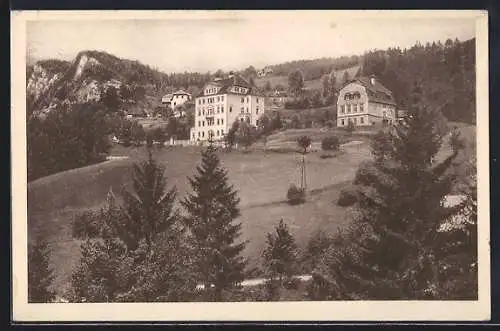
x,y
261,179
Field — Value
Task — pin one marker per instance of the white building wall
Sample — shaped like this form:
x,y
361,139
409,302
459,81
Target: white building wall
x,y
361,111
178,100
356,110
379,112
210,117
225,110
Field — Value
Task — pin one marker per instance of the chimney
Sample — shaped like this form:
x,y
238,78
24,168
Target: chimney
x,y
372,79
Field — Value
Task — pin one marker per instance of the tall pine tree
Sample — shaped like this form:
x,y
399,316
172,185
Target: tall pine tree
x,y
212,209
281,253
135,252
390,250
40,273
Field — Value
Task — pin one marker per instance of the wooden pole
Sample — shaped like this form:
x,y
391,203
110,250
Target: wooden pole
x,y
302,173
304,167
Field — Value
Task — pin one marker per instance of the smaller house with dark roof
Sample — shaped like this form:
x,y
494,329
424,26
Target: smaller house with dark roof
x,y
276,100
365,101
176,99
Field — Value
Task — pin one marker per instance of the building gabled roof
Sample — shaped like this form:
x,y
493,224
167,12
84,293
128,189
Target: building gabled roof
x,y
181,92
376,92
167,97
233,80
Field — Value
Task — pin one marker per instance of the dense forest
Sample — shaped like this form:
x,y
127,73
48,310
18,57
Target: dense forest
x,y
315,69
66,139
446,74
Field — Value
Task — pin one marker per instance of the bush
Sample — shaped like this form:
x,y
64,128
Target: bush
x,y
366,174
331,143
295,195
348,196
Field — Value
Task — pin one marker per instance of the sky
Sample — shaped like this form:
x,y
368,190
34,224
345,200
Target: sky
x,y
191,43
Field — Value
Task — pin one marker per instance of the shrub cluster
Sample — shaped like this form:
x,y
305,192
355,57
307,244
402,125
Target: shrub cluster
x,y
295,195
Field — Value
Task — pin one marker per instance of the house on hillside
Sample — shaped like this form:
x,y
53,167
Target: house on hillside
x,y
165,100
401,114
175,99
276,100
365,101
223,101
264,72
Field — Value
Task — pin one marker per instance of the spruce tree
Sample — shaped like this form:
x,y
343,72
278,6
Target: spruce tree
x,y
149,208
458,277
389,251
40,273
280,254
212,209
135,252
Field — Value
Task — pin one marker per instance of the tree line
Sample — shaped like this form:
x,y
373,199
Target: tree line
x,y
70,137
446,71
315,69
143,247
79,134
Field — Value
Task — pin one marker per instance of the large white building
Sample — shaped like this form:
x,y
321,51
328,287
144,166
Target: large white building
x,y
221,103
365,101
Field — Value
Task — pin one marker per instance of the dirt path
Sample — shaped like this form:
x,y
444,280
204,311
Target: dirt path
x,y
260,281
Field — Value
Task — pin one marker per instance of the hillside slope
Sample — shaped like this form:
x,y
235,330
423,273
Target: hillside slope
x,y
51,83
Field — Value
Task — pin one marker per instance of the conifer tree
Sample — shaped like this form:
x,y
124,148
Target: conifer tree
x,y
40,273
135,252
212,209
458,277
390,252
149,208
280,254
231,134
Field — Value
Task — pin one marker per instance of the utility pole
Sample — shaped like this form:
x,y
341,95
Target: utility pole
x,y
304,185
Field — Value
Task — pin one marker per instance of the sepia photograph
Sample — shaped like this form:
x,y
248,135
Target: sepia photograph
x,y
250,165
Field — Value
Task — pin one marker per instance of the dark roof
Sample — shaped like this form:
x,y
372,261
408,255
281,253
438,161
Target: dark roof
x,y
376,92
181,92
234,80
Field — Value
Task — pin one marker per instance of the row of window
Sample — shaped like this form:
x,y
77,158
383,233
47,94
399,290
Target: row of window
x,y
354,120
220,121
352,96
238,89
218,133
211,90
388,112
247,99
211,99
352,108
242,110
218,110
